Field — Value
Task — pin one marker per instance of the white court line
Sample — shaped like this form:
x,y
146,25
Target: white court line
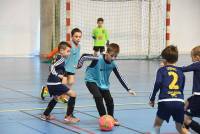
x,y
85,106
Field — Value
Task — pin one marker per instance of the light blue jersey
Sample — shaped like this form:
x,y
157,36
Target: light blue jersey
x,y
72,60
100,73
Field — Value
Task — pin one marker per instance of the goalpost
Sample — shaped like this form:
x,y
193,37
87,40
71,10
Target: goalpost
x,y
138,26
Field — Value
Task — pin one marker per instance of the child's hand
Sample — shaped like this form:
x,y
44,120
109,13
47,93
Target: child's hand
x,y
60,76
131,92
78,66
151,103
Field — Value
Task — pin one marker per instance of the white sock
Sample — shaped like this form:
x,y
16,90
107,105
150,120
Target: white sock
x,y
156,130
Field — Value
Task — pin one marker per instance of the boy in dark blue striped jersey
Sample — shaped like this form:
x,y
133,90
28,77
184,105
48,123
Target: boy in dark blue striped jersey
x,y
56,88
97,78
170,82
192,105
70,64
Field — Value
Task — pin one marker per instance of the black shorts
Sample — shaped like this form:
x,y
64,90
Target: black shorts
x,y
99,48
171,108
57,90
68,73
194,106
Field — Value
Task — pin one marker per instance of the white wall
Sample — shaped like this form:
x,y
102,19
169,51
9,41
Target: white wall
x,y
19,27
185,24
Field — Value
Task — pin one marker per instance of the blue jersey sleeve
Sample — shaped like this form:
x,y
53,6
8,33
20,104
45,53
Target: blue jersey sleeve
x,y
157,85
193,67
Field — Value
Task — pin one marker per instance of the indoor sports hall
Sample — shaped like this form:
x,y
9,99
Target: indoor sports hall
x,y
30,31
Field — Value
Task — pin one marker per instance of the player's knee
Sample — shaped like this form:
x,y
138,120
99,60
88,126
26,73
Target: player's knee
x,y
70,83
187,120
73,94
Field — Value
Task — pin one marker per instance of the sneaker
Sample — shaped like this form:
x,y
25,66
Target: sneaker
x,y
47,117
116,122
44,92
71,119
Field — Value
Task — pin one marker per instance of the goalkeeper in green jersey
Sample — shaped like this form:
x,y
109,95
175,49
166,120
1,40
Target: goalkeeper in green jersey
x,y
100,36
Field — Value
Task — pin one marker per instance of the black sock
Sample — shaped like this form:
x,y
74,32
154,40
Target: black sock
x,y
110,107
195,126
100,106
71,104
50,107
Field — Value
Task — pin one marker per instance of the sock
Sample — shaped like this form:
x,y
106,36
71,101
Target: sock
x,y
71,104
195,126
156,130
50,107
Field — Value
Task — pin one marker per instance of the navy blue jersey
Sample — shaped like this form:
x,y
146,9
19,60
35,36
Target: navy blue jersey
x,y
170,80
56,68
195,67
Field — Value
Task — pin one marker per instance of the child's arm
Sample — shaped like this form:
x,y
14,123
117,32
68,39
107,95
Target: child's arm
x,y
85,57
192,67
157,86
59,60
122,81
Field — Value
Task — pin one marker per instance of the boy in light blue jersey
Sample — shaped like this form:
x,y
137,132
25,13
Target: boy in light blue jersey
x,y
72,61
97,79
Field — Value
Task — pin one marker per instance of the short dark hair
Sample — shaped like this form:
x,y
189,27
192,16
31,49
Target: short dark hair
x,y
170,54
63,45
75,30
113,47
100,19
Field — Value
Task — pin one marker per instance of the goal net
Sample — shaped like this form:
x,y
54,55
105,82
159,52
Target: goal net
x,y
138,26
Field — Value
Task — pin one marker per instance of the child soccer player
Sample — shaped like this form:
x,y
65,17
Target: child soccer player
x,y
56,88
100,36
170,81
192,105
70,63
97,78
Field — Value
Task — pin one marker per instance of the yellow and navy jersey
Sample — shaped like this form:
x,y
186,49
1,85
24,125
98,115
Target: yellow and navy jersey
x,y
56,68
195,68
170,81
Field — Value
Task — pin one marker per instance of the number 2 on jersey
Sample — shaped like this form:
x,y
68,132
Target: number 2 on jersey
x,y
173,84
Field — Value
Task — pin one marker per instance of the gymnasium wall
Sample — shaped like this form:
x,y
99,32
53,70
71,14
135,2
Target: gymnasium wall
x,y
19,27
185,24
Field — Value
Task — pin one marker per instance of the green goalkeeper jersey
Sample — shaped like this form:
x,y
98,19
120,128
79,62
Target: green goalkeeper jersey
x,y
100,36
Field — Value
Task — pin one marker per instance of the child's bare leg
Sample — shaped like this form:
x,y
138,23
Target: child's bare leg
x,y
181,129
186,105
157,124
70,80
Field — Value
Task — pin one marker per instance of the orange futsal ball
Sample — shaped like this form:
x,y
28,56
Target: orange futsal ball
x,y
106,123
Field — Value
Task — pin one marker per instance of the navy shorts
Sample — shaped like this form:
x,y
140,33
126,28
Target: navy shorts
x,y
57,90
193,109
68,73
171,108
